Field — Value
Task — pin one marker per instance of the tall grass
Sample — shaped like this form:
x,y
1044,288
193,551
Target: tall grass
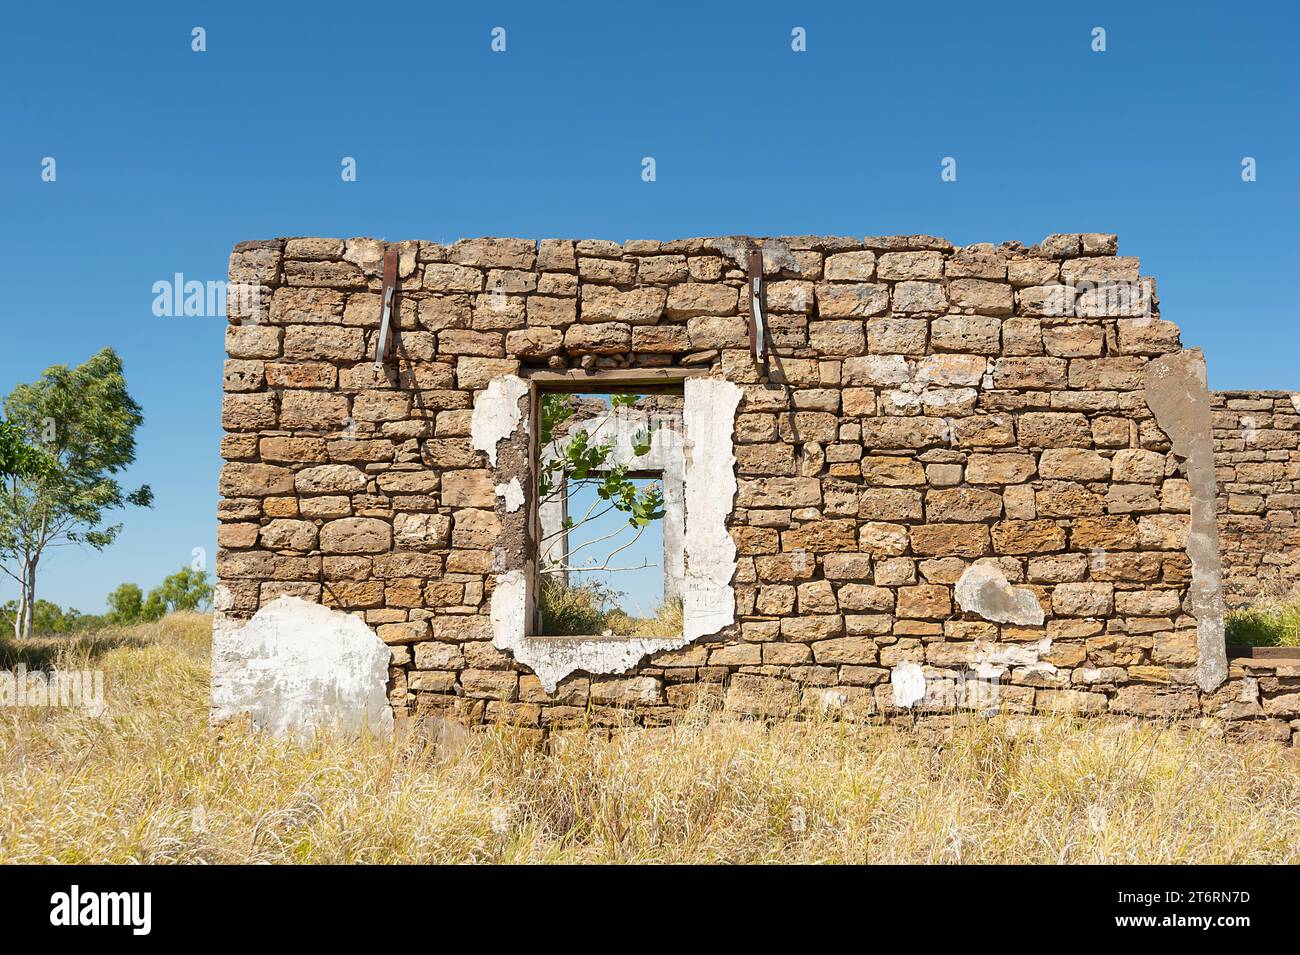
x,y
149,782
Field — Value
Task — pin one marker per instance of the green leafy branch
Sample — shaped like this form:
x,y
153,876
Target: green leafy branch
x,y
576,457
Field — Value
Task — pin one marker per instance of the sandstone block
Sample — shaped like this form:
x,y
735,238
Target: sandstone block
x,y
691,299
962,504
988,298
972,334
919,298
957,540
254,480
603,338
640,306
1073,464
850,266
761,696
356,535
837,338
1050,429
898,266
851,300
469,488
1083,600
313,342
1027,537
779,492
924,601
1010,468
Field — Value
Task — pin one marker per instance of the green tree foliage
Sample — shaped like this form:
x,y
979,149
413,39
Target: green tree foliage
x,y
578,457
187,589
83,421
125,604
18,459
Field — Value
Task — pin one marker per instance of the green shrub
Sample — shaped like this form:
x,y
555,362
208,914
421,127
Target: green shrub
x,y
1268,625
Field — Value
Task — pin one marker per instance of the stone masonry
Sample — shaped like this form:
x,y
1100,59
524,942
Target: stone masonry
x,y
968,478
1257,453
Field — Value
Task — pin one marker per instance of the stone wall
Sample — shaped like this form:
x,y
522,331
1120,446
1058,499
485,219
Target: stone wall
x,y
1257,453
951,489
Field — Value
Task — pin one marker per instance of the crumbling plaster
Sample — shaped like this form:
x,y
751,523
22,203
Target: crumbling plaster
x,y
1178,396
708,599
298,666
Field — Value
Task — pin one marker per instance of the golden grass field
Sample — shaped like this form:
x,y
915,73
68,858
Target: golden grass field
x,y
149,782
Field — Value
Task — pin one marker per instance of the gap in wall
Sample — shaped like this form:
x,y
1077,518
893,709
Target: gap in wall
x,y
611,514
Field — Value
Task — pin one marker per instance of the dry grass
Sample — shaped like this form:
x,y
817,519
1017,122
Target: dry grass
x,y
149,783
584,610
666,622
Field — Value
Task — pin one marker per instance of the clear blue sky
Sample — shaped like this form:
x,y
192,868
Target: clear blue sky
x,y
167,157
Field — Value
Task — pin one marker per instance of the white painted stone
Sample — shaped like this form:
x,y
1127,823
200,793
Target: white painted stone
x,y
553,658
298,666
512,493
908,683
509,610
985,590
496,414
1011,654
708,600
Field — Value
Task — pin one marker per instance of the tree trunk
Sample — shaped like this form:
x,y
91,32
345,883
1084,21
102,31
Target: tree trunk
x,y
26,601
22,608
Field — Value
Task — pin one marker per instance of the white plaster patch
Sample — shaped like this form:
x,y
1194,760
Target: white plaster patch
x,y
708,601
298,666
985,590
908,683
1011,654
496,414
509,610
1295,401
512,494
988,672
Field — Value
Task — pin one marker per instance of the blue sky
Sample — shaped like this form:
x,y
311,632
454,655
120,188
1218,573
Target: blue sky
x,y
641,586
167,157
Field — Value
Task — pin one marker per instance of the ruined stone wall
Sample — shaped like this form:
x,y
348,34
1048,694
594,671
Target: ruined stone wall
x,y
1257,453
951,491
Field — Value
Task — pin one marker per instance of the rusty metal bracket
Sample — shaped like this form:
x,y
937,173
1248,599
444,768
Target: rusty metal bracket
x,y
384,340
757,322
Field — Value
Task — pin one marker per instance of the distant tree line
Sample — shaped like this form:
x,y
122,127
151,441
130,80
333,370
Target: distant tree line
x,y
187,589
